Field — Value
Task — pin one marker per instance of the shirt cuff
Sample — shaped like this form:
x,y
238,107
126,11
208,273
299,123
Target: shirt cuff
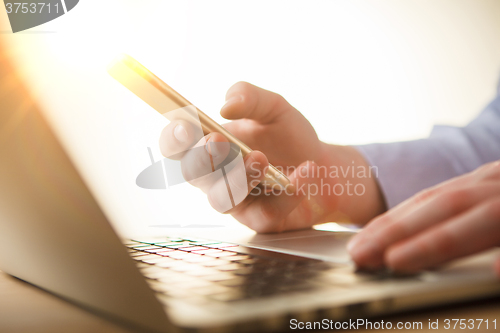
x,y
402,169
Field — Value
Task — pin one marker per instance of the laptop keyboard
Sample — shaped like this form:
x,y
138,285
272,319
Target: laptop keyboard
x,y
202,271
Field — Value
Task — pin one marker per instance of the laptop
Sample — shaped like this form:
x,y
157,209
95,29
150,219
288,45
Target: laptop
x,y
55,235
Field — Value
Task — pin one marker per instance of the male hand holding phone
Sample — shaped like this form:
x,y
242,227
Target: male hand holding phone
x,y
279,134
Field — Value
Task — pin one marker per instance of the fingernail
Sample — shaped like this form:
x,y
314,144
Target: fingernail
x,y
233,100
180,133
211,147
363,250
252,167
290,188
352,244
304,170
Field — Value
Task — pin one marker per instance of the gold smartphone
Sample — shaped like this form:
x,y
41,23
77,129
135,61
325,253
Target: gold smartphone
x,y
159,95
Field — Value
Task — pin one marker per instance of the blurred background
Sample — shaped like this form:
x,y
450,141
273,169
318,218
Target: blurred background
x,y
361,71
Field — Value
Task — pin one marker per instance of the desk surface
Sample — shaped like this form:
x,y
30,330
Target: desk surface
x,y
24,308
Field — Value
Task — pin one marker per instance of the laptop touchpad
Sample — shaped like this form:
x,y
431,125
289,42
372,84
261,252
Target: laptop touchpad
x,y
323,245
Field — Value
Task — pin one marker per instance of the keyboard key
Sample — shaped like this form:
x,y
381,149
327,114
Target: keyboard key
x,y
228,296
149,256
191,256
228,267
187,267
178,293
167,276
164,274
176,254
203,272
238,258
198,258
218,277
208,251
157,285
176,245
163,251
214,262
152,261
239,249
151,269
185,245
156,260
221,254
143,247
140,264
170,264
191,282
210,290
172,279
154,250
140,246
173,245
192,248
198,300
163,244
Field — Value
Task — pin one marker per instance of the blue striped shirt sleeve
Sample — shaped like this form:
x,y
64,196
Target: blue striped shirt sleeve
x,y
405,168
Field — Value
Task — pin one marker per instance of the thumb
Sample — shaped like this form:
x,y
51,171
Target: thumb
x,y
244,100
176,138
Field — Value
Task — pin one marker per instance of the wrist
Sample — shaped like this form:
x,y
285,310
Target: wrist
x,y
354,194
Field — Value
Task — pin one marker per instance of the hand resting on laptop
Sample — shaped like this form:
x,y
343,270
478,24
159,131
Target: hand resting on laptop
x,y
451,220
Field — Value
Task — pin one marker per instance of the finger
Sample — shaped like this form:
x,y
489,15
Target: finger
x,y
176,138
405,209
279,211
488,172
473,231
408,206
359,245
231,190
369,251
199,163
244,100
